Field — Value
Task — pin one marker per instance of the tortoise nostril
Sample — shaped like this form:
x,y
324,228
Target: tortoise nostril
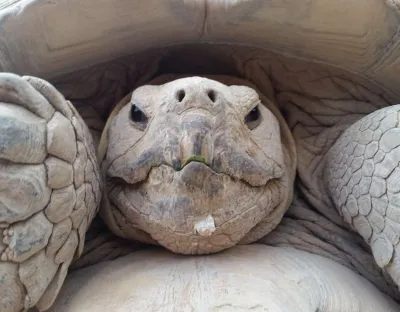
x,y
212,95
180,95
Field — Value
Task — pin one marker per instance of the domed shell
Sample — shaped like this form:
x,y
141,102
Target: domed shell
x,y
245,278
40,38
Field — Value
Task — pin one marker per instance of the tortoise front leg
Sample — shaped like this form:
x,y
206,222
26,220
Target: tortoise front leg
x,y
50,191
362,174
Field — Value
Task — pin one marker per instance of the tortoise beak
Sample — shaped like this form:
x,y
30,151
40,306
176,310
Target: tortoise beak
x,y
196,141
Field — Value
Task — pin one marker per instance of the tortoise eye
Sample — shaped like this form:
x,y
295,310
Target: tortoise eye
x,y
138,116
253,118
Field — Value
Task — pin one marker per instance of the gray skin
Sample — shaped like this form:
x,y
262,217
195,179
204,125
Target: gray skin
x,y
196,165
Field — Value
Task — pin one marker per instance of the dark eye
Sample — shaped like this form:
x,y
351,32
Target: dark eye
x,y
138,116
253,118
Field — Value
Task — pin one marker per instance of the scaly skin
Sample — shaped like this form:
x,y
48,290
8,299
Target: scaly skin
x,y
52,230
50,191
362,178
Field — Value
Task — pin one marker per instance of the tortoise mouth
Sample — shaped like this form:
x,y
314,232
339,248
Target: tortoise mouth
x,y
194,172
194,158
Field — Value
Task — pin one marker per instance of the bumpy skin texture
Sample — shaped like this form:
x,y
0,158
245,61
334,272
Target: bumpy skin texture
x,y
362,177
195,165
50,191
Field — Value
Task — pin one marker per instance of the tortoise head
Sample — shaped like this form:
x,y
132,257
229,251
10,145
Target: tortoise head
x,y
196,166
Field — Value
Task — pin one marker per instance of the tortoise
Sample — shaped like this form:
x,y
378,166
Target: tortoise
x,y
222,155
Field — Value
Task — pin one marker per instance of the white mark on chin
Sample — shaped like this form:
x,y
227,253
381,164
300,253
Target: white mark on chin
x,y
205,227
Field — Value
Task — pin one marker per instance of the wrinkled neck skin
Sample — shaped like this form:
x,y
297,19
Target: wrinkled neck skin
x,y
312,223
196,179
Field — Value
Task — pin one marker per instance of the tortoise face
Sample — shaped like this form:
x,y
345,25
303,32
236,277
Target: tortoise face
x,y
192,165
